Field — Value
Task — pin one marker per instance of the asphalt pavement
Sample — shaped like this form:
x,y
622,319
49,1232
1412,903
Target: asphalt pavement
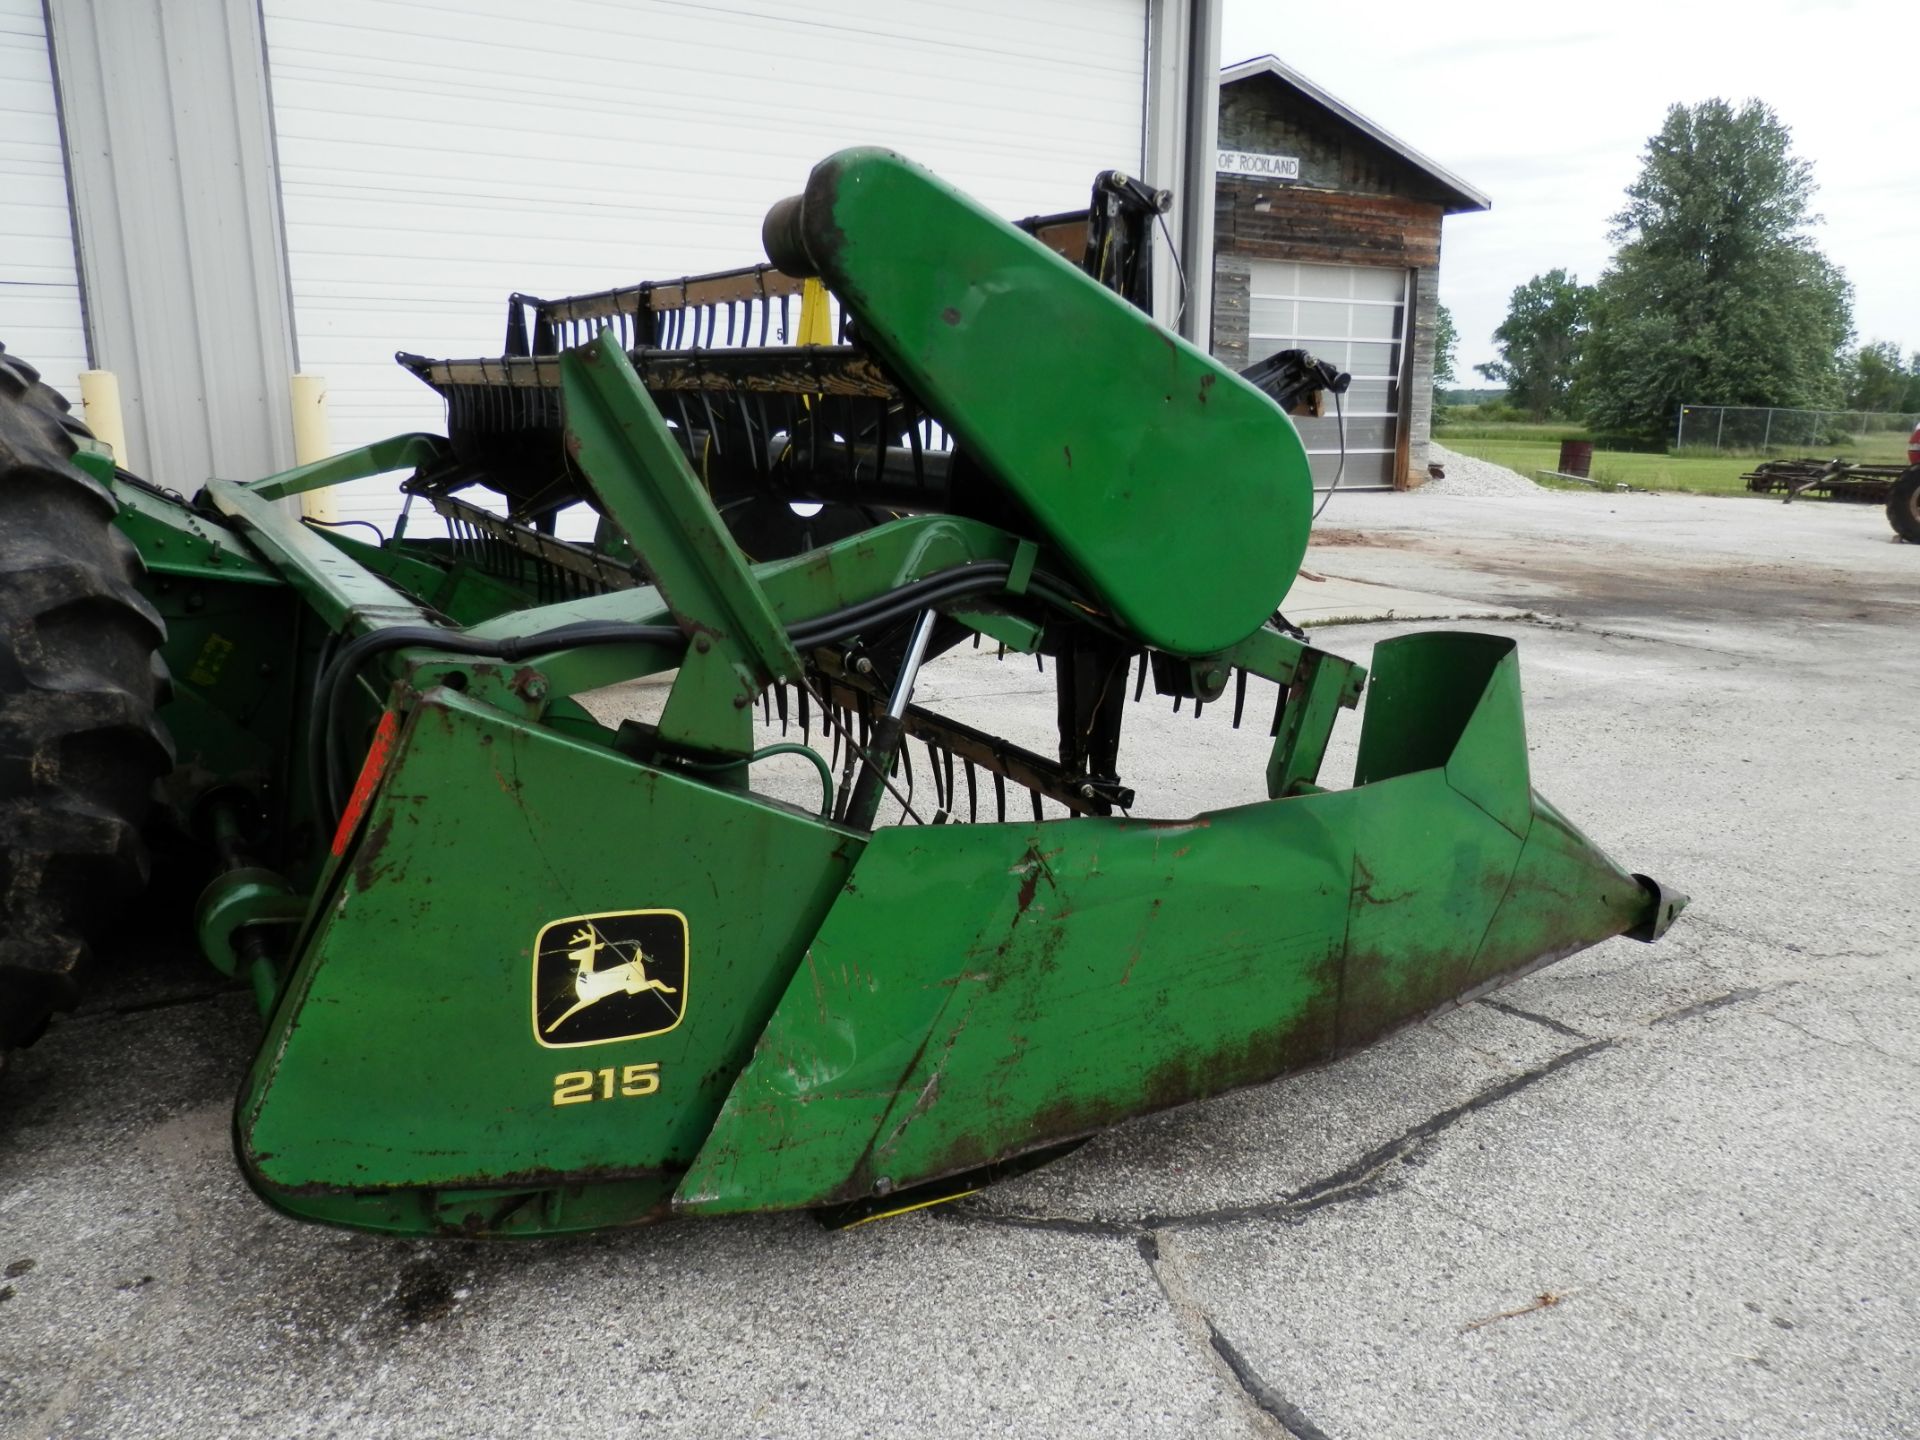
x,y
1667,1190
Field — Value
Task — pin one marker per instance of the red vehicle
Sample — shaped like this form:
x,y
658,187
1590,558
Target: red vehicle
x,y
1903,502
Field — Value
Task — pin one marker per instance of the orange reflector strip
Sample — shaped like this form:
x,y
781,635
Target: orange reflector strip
x,y
375,765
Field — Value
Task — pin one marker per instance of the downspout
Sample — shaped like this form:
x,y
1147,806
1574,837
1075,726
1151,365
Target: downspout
x,y
1202,135
1182,129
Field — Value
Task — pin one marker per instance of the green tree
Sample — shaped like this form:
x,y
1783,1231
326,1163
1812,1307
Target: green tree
x,y
1716,295
1877,378
1446,340
1540,342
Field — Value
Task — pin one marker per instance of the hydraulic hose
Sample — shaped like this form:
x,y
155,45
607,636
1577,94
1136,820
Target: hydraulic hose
x,y
329,784
785,747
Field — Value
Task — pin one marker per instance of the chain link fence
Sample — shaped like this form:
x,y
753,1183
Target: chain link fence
x,y
1763,430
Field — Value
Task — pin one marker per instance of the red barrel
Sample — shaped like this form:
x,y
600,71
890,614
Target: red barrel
x,y
1576,457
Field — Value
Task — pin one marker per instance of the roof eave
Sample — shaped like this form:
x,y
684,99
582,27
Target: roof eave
x,y
1469,198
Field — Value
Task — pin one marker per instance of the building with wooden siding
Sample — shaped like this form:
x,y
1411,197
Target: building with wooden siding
x,y
1327,237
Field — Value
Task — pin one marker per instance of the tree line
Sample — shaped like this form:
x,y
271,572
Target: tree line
x,y
1715,295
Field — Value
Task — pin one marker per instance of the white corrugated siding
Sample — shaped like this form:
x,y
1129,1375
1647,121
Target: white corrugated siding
x,y
436,157
40,317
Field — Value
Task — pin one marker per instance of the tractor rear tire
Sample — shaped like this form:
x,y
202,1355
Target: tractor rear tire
x,y
80,680
1903,506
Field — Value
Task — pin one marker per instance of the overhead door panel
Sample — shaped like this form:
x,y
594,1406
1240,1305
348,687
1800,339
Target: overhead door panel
x,y
435,157
40,316
1356,318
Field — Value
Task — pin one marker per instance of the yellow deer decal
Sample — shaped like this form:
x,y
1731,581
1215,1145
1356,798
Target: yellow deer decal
x,y
591,986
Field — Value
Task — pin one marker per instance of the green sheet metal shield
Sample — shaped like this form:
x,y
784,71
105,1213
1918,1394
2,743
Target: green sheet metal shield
x,y
979,991
1179,491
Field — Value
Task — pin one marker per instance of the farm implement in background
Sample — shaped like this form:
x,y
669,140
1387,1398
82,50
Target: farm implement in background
x,y
1895,486
523,972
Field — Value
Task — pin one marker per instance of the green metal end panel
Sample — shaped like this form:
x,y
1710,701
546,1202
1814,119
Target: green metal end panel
x,y
981,991
1179,492
536,976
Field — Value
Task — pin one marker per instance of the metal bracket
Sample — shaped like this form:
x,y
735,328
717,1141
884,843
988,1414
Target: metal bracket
x,y
1314,700
736,645
400,452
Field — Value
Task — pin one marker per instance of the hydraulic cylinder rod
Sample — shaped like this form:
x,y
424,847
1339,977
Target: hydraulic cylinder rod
x,y
864,803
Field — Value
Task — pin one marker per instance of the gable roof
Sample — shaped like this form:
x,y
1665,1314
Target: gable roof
x,y
1465,196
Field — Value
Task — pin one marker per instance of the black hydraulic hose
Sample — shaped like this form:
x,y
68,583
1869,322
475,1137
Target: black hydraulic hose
x,y
329,784
321,757
1341,411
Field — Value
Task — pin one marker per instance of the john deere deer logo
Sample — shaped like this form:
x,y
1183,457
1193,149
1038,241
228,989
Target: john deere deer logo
x,y
616,976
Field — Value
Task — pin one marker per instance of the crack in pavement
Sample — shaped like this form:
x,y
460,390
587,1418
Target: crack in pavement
x,y
1546,1020
1359,1180
1556,621
1860,1041
1702,1007
1268,1410
1284,1412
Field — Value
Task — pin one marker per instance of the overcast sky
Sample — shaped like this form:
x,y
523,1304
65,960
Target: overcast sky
x,y
1547,109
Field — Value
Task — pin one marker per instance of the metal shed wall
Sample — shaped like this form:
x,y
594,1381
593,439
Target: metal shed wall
x,y
40,315
434,158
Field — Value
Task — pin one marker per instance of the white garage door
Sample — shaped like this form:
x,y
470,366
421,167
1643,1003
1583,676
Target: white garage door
x,y
40,318
435,157
1356,318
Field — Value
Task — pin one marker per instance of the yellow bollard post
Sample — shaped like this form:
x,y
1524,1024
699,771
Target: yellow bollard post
x,y
310,440
100,404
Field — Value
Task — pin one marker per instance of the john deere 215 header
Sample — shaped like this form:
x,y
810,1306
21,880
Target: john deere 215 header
x,y
523,972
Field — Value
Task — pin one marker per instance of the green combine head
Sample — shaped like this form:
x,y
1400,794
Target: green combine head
x,y
526,972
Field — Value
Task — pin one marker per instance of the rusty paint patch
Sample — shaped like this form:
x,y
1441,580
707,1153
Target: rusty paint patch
x,y
367,868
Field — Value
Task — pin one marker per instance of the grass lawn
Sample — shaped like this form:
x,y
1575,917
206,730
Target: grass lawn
x,y
1532,448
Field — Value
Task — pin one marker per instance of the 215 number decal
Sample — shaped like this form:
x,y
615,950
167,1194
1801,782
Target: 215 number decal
x,y
577,1087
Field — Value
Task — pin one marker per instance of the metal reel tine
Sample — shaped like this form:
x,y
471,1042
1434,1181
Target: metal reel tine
x,y
1000,795
846,780
973,797
1239,694
1038,816
933,770
806,732
1140,683
780,704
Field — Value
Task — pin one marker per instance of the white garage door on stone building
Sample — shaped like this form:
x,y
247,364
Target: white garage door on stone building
x,y
1356,318
435,158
